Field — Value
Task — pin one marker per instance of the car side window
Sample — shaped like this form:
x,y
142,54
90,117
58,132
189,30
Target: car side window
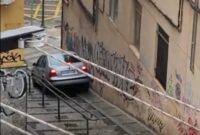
x,y
43,63
39,62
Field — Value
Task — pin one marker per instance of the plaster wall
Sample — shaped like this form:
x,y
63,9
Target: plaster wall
x,y
110,45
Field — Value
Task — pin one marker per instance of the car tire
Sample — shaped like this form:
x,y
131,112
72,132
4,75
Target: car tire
x,y
85,87
72,93
34,83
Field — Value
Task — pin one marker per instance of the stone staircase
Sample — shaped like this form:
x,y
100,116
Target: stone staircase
x,y
33,8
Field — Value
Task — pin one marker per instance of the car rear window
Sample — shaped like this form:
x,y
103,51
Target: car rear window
x,y
57,59
68,58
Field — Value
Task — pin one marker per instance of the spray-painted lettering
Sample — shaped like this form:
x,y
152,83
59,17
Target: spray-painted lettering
x,y
155,120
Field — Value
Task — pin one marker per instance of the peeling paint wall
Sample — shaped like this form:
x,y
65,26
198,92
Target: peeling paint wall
x,y
111,47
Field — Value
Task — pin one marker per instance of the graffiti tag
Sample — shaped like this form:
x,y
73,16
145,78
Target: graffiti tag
x,y
12,58
155,120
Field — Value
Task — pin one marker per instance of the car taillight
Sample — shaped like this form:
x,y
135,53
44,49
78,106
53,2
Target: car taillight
x,y
52,73
84,68
68,62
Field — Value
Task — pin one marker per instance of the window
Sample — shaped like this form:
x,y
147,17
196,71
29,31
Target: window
x,y
39,62
113,9
61,58
162,57
138,13
43,64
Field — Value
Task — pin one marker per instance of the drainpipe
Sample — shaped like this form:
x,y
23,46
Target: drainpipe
x,y
32,12
194,36
43,4
62,25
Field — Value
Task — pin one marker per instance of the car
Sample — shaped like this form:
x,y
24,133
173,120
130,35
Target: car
x,y
56,70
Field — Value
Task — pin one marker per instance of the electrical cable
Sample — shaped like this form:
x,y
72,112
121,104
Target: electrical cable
x,y
14,127
36,119
122,92
123,77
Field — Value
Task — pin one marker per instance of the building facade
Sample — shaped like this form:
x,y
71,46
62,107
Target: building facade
x,y
155,43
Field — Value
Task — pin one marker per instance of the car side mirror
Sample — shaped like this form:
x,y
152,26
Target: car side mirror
x,y
35,64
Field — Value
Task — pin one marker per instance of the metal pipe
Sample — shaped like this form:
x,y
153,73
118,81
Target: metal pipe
x,y
29,79
87,123
31,12
43,3
194,36
62,25
58,109
43,91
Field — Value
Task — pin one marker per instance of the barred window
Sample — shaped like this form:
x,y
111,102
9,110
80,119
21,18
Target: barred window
x,y
113,9
138,13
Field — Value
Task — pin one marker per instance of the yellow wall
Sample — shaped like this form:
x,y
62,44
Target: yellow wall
x,y
12,16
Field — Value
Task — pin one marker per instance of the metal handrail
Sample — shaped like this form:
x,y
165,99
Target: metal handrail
x,y
42,80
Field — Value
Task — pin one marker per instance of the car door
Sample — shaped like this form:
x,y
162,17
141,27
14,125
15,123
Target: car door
x,y
37,69
43,67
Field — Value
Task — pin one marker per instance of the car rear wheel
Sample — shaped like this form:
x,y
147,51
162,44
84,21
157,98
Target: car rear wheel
x,y
85,87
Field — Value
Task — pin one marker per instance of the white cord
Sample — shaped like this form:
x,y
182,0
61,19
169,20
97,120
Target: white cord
x,y
119,90
127,79
16,128
36,119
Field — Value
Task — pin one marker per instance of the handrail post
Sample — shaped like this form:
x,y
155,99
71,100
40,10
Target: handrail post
x,y
43,91
29,79
87,124
58,109
43,8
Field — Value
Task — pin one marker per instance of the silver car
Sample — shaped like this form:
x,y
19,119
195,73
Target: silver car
x,y
56,71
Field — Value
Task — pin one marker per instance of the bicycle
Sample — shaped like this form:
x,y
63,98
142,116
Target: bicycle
x,y
14,83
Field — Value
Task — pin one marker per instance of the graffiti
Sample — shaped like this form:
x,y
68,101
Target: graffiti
x,y
154,85
178,76
170,88
14,83
181,90
178,85
155,120
174,86
109,60
129,102
11,58
154,97
185,130
99,86
189,96
178,91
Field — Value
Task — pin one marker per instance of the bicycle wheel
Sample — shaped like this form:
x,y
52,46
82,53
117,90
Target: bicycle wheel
x,y
19,85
